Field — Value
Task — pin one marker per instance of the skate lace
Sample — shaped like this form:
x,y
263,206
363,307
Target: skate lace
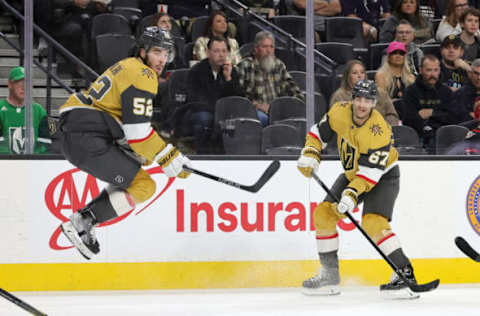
x,y
317,279
91,233
395,278
87,229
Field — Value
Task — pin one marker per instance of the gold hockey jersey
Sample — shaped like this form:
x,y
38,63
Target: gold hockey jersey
x,y
366,151
126,91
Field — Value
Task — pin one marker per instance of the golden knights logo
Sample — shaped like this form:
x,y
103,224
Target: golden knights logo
x,y
347,155
16,140
376,130
147,72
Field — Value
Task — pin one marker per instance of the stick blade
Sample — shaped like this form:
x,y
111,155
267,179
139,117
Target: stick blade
x,y
267,175
464,246
419,288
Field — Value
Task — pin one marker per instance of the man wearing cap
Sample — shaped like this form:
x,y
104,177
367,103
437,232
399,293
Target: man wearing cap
x,y
426,103
12,118
453,68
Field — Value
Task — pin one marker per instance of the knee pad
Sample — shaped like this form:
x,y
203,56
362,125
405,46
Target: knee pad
x,y
376,226
325,219
142,187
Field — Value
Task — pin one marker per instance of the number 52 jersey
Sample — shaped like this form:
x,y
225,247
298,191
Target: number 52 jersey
x,y
126,91
366,151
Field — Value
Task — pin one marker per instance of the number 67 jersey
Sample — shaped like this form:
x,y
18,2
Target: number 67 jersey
x,y
126,91
366,151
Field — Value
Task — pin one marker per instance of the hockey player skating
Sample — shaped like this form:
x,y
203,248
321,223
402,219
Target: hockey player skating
x,y
371,175
106,132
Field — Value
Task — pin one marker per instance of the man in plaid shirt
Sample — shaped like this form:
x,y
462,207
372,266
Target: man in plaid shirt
x,y
263,77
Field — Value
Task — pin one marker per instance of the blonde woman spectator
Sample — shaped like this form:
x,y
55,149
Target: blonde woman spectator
x,y
217,25
354,72
394,75
450,24
410,11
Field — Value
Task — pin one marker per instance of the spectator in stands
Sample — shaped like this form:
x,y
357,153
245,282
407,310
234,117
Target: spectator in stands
x,y
263,77
370,11
467,99
71,24
469,146
177,9
408,10
427,102
322,9
209,80
450,23
265,8
354,72
394,75
404,33
428,8
469,20
216,25
164,21
453,68
12,118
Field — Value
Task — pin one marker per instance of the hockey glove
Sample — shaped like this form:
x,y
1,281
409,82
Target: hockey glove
x,y
308,161
172,162
348,202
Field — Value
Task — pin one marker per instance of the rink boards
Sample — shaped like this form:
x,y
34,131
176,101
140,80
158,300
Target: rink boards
x,y
197,233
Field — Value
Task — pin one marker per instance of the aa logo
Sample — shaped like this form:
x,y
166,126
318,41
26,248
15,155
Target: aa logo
x,y
73,189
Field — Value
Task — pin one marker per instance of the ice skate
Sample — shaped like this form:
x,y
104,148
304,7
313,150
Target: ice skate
x,y
325,283
80,230
397,288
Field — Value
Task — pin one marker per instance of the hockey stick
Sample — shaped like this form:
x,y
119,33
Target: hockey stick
x,y
465,247
267,174
413,286
15,300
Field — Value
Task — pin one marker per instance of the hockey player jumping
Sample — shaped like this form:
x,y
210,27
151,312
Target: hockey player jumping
x,y
106,132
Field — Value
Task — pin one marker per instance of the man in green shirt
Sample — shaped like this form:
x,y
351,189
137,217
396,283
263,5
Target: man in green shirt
x,y
12,118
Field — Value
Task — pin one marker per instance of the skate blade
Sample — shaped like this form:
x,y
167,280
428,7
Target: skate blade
x,y
70,232
328,290
401,294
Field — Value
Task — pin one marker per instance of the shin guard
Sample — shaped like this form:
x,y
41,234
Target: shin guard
x,y
111,203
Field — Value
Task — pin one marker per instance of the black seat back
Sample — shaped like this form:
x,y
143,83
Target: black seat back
x,y
111,48
448,135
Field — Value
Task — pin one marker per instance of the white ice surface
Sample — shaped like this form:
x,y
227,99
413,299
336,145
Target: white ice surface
x,y
354,300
